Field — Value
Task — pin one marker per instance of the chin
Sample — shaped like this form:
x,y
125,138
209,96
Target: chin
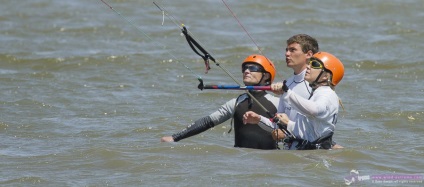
x,y
307,77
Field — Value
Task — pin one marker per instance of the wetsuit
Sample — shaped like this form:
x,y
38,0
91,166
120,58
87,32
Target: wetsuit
x,y
246,136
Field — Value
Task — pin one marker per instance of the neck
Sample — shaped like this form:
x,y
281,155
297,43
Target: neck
x,y
255,92
298,70
318,81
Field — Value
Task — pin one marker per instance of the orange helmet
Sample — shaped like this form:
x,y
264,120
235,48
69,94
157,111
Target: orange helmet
x,y
332,64
264,62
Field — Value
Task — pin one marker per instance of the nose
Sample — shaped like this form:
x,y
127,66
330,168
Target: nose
x,y
287,53
308,67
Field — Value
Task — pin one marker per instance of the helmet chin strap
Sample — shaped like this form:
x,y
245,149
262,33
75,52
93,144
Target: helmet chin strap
x,y
315,84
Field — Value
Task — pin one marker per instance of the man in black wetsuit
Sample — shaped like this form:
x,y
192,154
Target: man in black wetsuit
x,y
257,71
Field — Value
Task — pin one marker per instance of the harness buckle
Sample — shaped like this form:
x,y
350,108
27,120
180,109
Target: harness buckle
x,y
318,146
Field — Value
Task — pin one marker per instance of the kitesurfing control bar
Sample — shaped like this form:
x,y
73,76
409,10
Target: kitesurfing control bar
x,y
236,87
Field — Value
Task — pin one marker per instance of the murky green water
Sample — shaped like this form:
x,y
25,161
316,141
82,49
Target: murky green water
x,y
86,96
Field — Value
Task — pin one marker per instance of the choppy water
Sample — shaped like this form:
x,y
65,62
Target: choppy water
x,y
86,97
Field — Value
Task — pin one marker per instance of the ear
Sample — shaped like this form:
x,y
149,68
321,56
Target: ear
x,y
327,76
309,54
266,77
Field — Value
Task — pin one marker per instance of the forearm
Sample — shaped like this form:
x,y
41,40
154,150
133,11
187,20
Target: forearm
x,y
197,127
290,126
266,124
301,104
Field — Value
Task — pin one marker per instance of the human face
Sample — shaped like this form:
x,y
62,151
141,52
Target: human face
x,y
252,74
313,70
296,58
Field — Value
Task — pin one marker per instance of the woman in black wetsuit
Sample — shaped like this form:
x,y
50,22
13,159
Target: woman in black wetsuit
x,y
257,71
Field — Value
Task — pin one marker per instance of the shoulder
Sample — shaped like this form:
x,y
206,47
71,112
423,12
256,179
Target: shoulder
x,y
326,92
242,97
290,79
235,101
273,99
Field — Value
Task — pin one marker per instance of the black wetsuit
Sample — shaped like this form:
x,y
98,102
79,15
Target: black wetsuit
x,y
247,136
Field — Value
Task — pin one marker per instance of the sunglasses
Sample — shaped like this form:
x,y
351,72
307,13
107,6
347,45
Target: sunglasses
x,y
315,63
252,68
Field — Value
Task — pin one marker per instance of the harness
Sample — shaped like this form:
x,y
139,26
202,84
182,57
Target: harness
x,y
323,142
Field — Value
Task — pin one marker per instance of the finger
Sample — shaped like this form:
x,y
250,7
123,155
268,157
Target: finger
x,y
244,120
273,136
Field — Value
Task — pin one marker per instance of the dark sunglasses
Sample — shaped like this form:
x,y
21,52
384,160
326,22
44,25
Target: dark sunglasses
x,y
315,63
252,68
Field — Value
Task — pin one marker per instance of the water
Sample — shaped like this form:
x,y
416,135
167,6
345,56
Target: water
x,y
86,96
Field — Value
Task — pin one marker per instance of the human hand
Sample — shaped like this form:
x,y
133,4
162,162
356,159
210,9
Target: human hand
x,y
251,117
167,139
278,134
277,88
282,118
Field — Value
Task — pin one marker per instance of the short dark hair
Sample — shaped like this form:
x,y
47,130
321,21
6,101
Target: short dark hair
x,y
305,41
